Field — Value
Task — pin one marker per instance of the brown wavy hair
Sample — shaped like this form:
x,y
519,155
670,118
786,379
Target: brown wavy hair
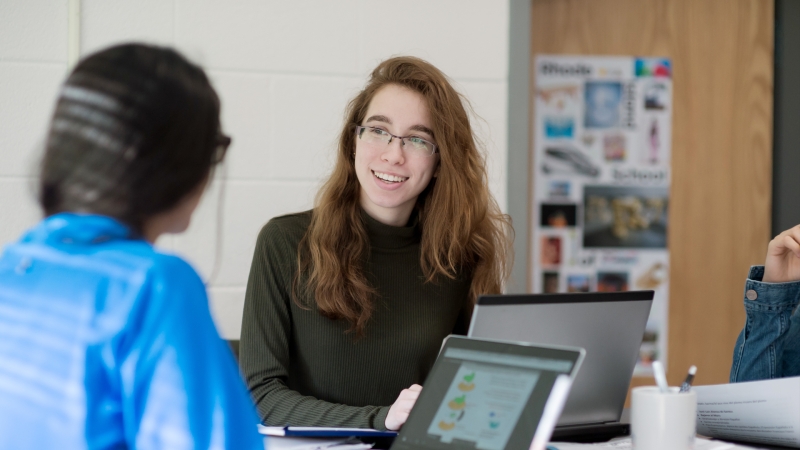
x,y
463,230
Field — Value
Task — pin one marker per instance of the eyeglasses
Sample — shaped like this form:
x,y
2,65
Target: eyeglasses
x,y
412,144
223,142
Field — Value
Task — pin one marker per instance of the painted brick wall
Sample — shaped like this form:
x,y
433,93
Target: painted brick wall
x,y
284,71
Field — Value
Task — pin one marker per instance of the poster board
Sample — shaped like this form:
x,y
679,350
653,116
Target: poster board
x,y
602,150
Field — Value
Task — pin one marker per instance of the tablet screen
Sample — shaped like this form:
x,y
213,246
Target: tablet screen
x,y
485,395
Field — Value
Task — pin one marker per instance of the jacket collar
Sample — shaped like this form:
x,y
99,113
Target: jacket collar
x,y
75,228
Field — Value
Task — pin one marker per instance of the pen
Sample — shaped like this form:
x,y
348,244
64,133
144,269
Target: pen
x,y
661,377
687,383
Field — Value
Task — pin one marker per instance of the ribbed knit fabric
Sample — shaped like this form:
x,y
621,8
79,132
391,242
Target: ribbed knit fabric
x,y
303,369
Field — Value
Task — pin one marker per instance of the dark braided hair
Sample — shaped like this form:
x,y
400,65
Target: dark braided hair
x,y
136,128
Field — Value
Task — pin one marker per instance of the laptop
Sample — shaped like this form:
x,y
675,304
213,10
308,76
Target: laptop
x,y
609,325
490,395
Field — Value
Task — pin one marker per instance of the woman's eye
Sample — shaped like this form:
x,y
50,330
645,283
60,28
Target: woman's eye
x,y
378,132
416,140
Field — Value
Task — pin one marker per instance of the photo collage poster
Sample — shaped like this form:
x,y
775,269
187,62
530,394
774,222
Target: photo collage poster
x,y
601,177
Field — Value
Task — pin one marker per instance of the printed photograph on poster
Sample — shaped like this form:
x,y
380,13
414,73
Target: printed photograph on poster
x,y
579,283
654,277
567,159
559,189
653,145
656,96
550,282
559,127
612,281
603,100
559,99
654,139
614,147
558,215
551,250
653,142
625,217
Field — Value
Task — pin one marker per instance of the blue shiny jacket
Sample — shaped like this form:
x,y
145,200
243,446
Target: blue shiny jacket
x,y
107,344
769,345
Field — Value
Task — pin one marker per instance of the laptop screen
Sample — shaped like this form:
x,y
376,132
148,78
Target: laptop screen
x,y
609,325
484,394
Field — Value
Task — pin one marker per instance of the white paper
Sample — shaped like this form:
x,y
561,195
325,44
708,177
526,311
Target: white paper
x,y
625,444
766,412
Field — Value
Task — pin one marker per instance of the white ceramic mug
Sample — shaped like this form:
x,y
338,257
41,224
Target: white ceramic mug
x,y
663,421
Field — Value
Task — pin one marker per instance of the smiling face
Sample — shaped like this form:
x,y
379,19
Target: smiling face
x,y
391,177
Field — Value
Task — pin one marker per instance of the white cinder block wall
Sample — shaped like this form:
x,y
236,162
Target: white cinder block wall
x,y
284,71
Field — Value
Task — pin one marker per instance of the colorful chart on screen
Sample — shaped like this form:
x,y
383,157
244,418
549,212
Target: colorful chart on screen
x,y
483,404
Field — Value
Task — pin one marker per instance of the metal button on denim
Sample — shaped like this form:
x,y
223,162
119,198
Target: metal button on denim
x,y
751,294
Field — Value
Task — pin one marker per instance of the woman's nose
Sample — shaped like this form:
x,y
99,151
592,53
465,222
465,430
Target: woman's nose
x,y
393,153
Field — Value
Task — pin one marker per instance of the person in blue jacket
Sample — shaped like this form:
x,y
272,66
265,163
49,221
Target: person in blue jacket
x,y
105,342
769,345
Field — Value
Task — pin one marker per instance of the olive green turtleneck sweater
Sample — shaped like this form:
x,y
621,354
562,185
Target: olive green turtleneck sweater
x,y
304,370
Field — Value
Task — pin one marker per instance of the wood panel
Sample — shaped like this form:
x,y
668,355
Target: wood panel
x,y
720,199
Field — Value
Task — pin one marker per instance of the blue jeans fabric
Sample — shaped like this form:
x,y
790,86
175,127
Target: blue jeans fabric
x,y
769,345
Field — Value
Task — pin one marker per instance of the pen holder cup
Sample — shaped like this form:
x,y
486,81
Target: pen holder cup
x,y
663,421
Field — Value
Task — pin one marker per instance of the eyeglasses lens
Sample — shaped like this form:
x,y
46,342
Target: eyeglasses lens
x,y
419,145
376,136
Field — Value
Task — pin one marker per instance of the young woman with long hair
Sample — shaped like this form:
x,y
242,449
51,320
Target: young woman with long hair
x,y
347,304
106,342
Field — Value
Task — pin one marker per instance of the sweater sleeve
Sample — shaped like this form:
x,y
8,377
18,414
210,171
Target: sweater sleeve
x,y
265,349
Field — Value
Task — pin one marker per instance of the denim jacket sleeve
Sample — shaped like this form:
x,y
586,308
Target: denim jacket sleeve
x,y
769,345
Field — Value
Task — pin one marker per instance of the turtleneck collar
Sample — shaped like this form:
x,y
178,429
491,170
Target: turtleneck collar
x,y
387,236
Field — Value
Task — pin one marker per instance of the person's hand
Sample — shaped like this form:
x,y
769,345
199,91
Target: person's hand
x,y
398,413
783,257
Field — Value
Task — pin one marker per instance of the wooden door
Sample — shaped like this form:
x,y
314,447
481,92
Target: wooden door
x,y
720,198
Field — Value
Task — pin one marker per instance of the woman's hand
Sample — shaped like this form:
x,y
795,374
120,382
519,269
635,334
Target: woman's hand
x,y
398,413
783,257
